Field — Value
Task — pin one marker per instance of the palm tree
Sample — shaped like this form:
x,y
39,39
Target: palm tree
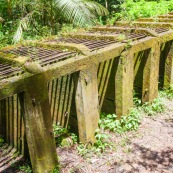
x,y
79,12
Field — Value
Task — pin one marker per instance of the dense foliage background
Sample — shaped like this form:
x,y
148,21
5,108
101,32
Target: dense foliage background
x,y
31,19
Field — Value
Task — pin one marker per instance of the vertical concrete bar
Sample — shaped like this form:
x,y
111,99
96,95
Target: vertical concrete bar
x,y
87,103
104,72
151,74
168,75
124,84
38,125
1,119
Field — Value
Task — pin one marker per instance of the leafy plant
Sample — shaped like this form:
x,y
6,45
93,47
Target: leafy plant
x,y
1,141
62,133
108,121
25,168
156,106
58,130
125,123
56,169
101,144
111,123
168,92
82,149
130,122
137,102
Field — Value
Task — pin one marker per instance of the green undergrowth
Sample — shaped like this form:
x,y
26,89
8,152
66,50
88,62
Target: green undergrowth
x,y
63,137
167,93
111,123
1,141
101,144
132,10
157,106
125,123
25,168
108,124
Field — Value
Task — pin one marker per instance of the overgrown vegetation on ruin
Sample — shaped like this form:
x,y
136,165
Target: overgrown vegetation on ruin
x,y
109,124
35,19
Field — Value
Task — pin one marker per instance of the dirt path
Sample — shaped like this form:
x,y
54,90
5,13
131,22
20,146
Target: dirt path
x,y
148,150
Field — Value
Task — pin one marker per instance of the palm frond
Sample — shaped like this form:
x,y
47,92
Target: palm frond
x,y
80,12
22,26
96,7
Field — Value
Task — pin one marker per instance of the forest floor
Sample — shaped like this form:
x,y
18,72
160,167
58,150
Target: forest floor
x,y
147,150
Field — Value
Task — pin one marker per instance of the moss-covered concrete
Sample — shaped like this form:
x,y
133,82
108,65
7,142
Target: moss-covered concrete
x,y
124,84
125,30
87,105
104,76
38,125
79,48
164,39
165,16
155,20
145,24
166,65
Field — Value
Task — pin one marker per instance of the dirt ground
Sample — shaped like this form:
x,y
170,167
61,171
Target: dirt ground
x,y
147,150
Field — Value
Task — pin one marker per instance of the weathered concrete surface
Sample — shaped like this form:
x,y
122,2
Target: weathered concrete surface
x,y
124,84
151,74
87,106
104,77
80,48
38,125
145,24
165,41
128,29
61,92
166,65
155,20
11,123
9,87
108,102
168,16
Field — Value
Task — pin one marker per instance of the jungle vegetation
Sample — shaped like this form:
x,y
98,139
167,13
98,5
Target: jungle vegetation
x,y
32,19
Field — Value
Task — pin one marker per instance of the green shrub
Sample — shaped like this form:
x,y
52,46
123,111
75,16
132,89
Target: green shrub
x,y
132,10
156,106
1,141
125,123
168,92
25,168
63,133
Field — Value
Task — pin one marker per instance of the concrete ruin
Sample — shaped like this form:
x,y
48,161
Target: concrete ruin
x,y
70,79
